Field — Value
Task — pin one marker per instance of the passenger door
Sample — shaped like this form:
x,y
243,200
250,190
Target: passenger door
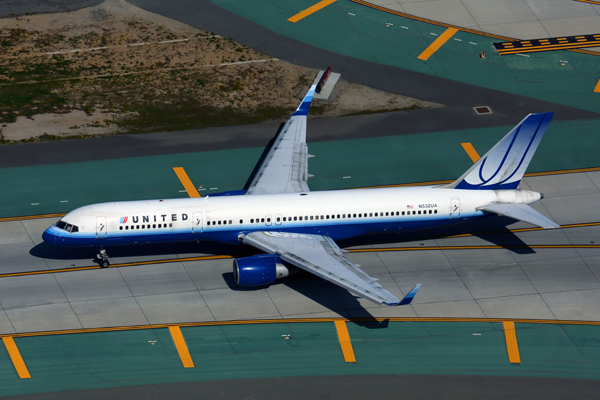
x,y
197,225
454,208
101,229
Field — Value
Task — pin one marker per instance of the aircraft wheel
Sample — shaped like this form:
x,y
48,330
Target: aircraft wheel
x,y
104,264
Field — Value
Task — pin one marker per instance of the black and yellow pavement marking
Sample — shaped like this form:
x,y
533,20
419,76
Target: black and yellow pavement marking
x,y
547,44
345,344
460,28
589,1
15,356
512,347
182,349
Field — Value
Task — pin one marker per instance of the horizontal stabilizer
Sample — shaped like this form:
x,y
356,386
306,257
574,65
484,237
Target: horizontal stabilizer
x,y
522,212
410,296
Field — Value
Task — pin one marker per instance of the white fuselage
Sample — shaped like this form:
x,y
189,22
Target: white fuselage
x,y
340,214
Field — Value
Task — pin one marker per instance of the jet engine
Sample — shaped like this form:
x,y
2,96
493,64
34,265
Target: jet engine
x,y
259,270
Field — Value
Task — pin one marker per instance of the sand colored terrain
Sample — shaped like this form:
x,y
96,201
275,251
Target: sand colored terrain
x,y
115,68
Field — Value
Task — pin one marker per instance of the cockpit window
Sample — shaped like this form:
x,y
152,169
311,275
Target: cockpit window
x,y
67,227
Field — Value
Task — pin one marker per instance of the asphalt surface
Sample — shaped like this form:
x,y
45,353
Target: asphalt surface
x,y
360,387
17,8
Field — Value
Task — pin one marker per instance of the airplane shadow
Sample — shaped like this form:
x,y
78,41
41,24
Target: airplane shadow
x,y
326,294
53,252
493,229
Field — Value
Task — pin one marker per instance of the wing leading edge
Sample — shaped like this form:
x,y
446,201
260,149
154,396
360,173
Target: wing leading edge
x,y
322,257
285,168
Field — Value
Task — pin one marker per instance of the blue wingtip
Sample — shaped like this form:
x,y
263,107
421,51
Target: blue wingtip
x,y
410,296
305,105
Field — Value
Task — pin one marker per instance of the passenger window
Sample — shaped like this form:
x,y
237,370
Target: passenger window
x,y
343,215
402,212
375,214
332,216
230,222
278,219
311,217
154,225
262,220
429,211
268,219
170,225
370,214
126,228
327,217
387,214
338,216
159,225
295,218
414,212
252,221
322,217
397,212
354,215
219,222
120,228
300,218
359,215
419,212
435,211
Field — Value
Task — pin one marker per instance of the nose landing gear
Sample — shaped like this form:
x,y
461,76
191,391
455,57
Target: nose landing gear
x,y
102,259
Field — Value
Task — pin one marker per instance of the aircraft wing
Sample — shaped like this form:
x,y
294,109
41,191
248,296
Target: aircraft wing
x,y
321,256
522,212
284,169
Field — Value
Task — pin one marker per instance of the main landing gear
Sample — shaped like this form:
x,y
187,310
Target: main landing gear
x,y
102,259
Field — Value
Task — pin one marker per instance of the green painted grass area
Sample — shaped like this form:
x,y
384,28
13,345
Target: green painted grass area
x,y
365,36
128,358
368,162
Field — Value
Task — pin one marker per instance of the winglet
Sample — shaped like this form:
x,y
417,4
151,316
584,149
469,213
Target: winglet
x,y
305,105
410,296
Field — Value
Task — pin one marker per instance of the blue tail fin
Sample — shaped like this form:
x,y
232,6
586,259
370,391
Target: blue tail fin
x,y
504,165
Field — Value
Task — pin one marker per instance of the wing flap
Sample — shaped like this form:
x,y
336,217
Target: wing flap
x,y
522,212
321,256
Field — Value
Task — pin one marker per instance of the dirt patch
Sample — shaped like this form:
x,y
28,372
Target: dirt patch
x,y
115,68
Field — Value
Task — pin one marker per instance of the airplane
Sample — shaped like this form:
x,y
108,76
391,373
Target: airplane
x,y
296,228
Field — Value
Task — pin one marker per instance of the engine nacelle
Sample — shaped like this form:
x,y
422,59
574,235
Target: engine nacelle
x,y
259,270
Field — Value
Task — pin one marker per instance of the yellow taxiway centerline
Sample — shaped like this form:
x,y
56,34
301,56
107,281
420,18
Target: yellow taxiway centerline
x,y
345,344
471,152
511,342
182,349
186,182
15,356
298,320
310,10
437,43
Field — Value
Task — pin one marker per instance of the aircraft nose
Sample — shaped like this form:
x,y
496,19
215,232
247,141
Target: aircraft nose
x,y
48,237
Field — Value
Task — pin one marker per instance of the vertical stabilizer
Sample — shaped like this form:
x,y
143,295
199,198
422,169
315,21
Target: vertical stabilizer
x,y
504,165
